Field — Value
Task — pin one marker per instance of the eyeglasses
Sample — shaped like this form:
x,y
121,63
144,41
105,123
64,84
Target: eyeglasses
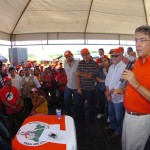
x,y
141,40
114,56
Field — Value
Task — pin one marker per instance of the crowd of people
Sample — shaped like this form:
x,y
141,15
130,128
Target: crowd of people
x,y
119,93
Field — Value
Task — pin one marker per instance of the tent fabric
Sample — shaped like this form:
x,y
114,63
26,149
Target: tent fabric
x,y
72,19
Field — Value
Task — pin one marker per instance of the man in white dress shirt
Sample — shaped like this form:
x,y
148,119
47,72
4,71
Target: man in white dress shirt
x,y
115,103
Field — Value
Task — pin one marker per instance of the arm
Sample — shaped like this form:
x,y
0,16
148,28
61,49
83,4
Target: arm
x,y
37,83
18,97
61,82
78,84
129,75
108,93
41,100
17,102
85,75
10,106
99,79
101,72
119,91
144,92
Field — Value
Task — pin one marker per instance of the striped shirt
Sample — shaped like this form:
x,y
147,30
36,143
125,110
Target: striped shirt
x,y
85,68
1,82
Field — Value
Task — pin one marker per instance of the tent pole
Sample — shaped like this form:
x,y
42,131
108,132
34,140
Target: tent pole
x,y
11,49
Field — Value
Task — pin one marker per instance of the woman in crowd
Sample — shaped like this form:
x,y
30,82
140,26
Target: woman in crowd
x,y
47,83
100,92
39,103
61,81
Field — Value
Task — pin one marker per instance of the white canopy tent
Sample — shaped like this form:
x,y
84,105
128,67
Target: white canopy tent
x,y
23,20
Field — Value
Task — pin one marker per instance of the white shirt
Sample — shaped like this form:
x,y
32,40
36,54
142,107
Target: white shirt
x,y
112,79
37,83
16,81
71,74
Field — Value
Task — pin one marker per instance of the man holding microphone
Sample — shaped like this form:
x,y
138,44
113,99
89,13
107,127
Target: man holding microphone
x,y
136,126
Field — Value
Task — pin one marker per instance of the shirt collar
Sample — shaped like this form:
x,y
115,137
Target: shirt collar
x,y
147,59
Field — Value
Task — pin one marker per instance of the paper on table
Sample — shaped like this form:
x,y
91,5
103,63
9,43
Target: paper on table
x,y
55,127
61,136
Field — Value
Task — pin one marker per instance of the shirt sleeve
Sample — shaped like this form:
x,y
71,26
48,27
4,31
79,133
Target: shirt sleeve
x,y
79,66
37,83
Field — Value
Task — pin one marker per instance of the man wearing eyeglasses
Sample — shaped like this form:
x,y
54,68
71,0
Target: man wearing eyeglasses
x,y
136,126
115,103
86,77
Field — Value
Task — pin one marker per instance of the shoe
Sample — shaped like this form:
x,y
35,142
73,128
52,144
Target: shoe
x,y
99,116
108,119
115,135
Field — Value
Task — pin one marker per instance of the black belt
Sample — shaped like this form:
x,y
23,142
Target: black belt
x,y
136,113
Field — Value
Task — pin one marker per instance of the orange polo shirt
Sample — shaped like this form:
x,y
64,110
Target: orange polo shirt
x,y
133,100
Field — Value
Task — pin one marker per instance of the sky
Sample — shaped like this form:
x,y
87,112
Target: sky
x,y
44,51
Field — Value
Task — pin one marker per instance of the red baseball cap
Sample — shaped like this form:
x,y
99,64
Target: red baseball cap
x,y
6,79
84,51
67,53
122,49
115,51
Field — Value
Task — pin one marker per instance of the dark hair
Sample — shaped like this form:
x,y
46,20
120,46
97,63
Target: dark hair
x,y
27,67
106,58
20,72
1,64
11,68
101,49
130,49
144,29
62,69
33,91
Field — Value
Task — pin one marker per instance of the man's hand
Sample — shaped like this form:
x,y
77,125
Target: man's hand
x,y
129,75
105,71
119,91
109,98
107,93
14,108
78,73
79,91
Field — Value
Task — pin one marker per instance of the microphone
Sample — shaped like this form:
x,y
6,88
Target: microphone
x,y
58,57
128,67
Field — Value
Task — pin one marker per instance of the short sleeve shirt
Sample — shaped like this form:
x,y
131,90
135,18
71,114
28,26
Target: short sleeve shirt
x,y
11,99
92,68
133,100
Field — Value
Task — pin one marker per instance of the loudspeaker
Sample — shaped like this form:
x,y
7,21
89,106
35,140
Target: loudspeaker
x,y
17,55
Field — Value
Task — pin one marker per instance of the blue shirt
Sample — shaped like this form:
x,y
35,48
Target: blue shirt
x,y
101,85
